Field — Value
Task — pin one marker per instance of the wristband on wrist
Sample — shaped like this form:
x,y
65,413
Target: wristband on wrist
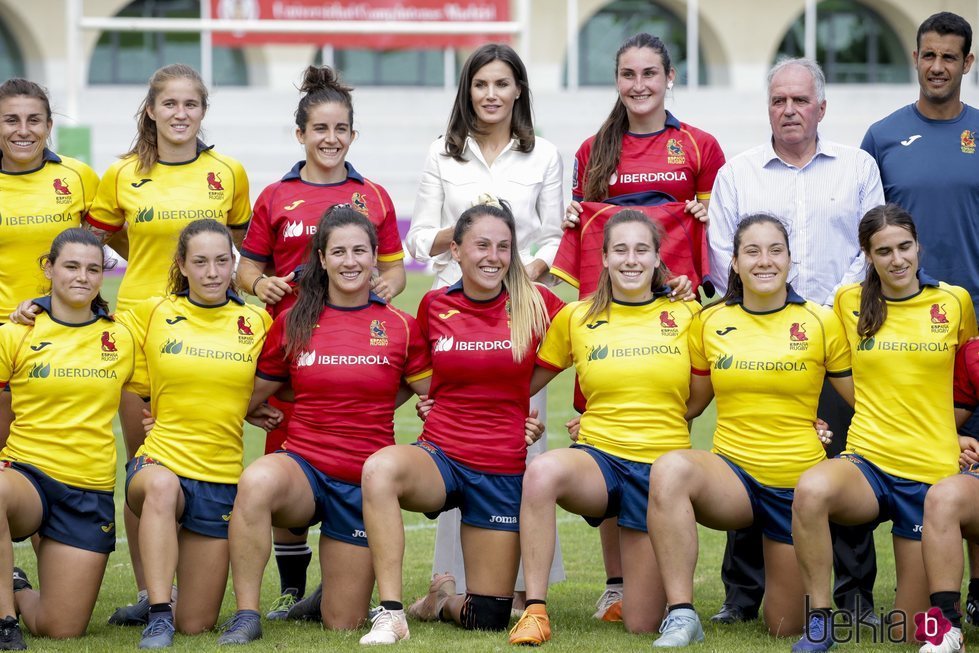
x,y
255,283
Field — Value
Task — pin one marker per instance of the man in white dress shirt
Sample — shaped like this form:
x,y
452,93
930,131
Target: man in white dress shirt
x,y
820,190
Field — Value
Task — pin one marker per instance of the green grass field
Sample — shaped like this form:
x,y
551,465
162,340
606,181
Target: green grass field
x,y
570,603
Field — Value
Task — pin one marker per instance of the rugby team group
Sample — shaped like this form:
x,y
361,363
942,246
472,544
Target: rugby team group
x,y
836,339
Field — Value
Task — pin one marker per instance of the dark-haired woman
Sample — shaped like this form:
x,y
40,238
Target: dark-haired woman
x,y
642,156
762,345
167,180
41,195
284,222
482,333
635,375
489,148
903,438
186,471
58,468
355,380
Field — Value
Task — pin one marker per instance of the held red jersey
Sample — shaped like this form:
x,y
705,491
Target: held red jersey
x,y
288,211
346,382
482,397
675,164
966,380
683,248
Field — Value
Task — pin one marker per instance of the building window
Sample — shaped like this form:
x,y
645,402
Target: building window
x,y
132,57
603,34
362,67
11,60
854,45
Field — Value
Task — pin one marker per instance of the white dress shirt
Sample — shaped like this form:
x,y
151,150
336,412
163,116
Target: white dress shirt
x,y
820,203
531,182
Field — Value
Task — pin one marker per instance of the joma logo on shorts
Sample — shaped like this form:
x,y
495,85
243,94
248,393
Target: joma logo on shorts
x,y
500,519
359,533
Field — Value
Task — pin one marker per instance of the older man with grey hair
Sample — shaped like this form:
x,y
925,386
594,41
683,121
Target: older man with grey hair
x,y
820,190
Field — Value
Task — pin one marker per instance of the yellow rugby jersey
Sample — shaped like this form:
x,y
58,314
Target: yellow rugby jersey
x,y
36,206
767,370
65,383
904,420
158,204
201,363
634,369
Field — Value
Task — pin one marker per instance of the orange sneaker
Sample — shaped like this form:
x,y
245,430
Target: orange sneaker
x,y
609,606
534,627
428,607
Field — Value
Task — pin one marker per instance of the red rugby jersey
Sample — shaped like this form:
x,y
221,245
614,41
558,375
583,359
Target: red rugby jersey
x,y
966,380
482,397
346,382
288,211
579,256
674,164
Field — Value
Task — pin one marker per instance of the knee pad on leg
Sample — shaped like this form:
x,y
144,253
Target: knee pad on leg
x,y
481,612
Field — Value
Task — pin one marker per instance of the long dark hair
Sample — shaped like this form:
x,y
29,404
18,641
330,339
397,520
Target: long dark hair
x,y
145,144
314,283
320,85
78,236
735,287
873,306
528,315
601,299
178,282
462,120
607,146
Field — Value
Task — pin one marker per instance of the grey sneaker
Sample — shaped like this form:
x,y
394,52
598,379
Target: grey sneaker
x,y
158,633
11,639
244,627
680,628
279,609
308,608
134,614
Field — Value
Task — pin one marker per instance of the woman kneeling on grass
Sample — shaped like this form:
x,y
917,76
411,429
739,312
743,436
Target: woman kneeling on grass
x,y
346,353
628,344
58,468
904,329
483,333
202,343
763,346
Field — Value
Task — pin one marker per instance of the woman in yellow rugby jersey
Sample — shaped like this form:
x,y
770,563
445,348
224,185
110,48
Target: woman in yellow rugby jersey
x,y
628,344
41,195
763,352
166,181
904,329
186,471
58,468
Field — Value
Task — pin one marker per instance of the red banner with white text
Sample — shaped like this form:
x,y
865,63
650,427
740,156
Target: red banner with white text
x,y
374,11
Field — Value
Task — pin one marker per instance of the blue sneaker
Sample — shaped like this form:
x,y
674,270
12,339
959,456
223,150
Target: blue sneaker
x,y
243,628
816,638
158,633
680,628
308,608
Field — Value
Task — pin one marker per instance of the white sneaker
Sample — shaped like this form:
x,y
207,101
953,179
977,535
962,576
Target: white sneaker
x,y
952,642
609,606
387,627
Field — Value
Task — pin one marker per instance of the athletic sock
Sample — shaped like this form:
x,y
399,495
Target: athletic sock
x,y
681,606
948,603
292,559
974,587
615,582
160,610
392,605
530,602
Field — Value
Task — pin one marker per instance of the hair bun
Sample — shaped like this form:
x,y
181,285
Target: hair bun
x,y
317,78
